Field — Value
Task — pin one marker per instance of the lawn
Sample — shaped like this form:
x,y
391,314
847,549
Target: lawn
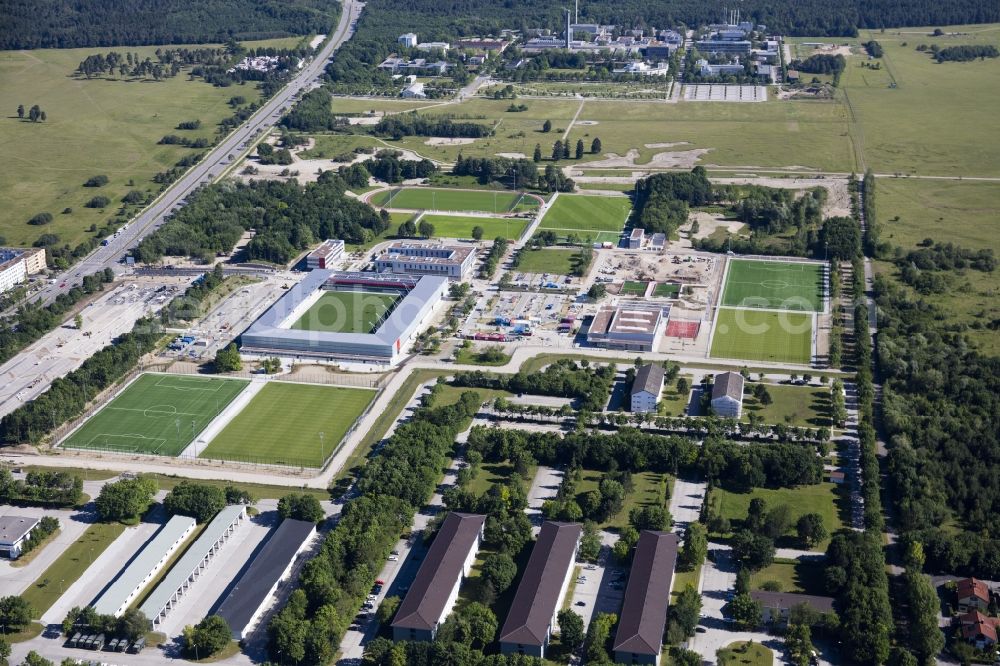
x,y
70,566
547,260
755,335
633,288
587,213
649,490
93,127
821,498
290,424
742,653
473,356
346,312
492,473
159,414
774,284
434,198
803,576
793,405
257,490
454,226
673,403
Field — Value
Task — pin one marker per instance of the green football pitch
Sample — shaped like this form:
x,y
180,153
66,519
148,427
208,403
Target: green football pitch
x,y
634,288
346,312
158,414
456,226
666,290
581,213
761,335
430,198
282,424
774,284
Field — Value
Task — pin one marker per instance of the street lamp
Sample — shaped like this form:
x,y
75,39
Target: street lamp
x,y
322,450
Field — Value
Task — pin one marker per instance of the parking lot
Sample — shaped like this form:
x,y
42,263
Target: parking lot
x,y
721,92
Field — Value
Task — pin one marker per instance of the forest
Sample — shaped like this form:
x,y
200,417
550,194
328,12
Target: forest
x,y
103,23
590,386
662,200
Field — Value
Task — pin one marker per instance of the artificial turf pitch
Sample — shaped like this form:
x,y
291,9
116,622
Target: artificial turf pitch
x,y
774,284
454,226
429,198
159,414
282,424
634,288
761,335
582,214
346,312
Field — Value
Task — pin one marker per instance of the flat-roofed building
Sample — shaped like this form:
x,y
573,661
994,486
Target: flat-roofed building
x,y
189,568
16,264
740,46
629,327
644,610
452,262
246,603
532,615
14,530
326,256
144,567
434,590
727,395
635,239
646,388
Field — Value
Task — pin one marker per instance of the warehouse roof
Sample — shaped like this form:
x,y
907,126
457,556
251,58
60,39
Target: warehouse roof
x,y
136,571
246,597
191,560
647,597
444,563
538,592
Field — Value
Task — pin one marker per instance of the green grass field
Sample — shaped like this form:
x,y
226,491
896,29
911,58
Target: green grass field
x,y
666,290
547,260
755,335
282,425
583,214
94,127
454,226
803,576
633,288
649,490
432,198
159,414
774,284
742,653
818,498
807,406
346,312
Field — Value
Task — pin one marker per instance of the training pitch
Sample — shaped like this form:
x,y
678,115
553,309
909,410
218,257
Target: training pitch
x,y
760,335
776,285
346,312
159,414
282,424
456,226
429,198
634,288
582,214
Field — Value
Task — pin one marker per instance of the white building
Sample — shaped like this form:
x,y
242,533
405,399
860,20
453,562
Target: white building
x,y
727,395
646,388
409,40
414,91
14,531
326,256
453,262
16,264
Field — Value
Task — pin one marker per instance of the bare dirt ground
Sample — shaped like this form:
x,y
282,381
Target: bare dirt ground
x,y
838,202
683,159
513,156
709,222
363,120
448,141
304,170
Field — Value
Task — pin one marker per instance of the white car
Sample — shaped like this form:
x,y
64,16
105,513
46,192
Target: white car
x,y
393,558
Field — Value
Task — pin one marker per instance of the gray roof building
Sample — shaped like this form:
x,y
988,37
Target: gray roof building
x,y
242,607
728,384
647,597
14,528
785,601
430,596
648,378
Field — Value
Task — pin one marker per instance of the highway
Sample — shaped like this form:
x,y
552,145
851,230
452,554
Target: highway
x,y
154,216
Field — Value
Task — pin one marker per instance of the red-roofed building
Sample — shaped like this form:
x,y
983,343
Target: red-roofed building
x,y
978,629
972,594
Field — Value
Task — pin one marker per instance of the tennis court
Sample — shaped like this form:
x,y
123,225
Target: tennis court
x,y
346,312
431,198
777,285
159,414
762,335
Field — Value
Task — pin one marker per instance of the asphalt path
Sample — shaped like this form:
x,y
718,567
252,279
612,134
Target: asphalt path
x,y
213,165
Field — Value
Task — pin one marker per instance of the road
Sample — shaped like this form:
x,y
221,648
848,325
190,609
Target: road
x,y
155,215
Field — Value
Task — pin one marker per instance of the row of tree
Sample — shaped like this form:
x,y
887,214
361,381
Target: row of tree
x,y
52,489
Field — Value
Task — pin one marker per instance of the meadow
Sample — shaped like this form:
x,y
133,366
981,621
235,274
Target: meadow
x,y
432,198
290,424
158,414
760,335
345,312
547,260
774,284
581,214
93,127
818,498
455,226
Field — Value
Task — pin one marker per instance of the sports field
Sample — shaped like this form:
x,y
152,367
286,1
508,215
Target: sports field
x,y
158,414
584,214
455,226
774,284
555,261
666,290
634,288
346,312
433,198
282,424
758,335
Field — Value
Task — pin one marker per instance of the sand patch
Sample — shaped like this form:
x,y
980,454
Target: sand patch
x,y
448,141
587,122
838,199
363,120
666,145
513,156
684,159
709,222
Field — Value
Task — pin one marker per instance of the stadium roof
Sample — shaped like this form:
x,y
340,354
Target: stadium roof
x,y
138,570
192,559
395,326
538,592
427,599
245,599
647,597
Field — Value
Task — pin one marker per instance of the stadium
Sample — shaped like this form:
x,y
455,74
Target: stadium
x,y
352,317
